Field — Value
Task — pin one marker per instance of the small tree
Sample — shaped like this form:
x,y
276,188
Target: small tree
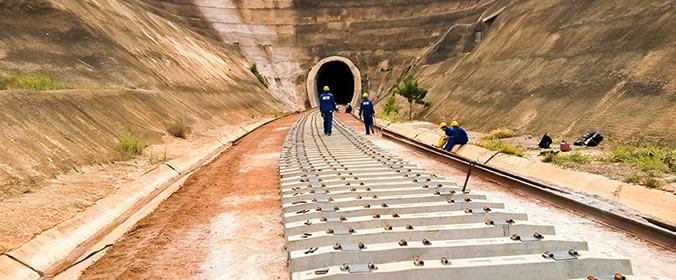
x,y
414,93
390,106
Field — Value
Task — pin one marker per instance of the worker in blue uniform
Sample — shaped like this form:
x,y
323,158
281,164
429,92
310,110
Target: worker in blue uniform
x,y
455,134
366,113
327,104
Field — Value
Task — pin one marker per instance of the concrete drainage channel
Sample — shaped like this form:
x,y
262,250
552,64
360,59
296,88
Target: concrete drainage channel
x,y
353,211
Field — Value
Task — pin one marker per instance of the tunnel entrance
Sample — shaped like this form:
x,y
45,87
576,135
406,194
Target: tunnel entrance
x,y
338,76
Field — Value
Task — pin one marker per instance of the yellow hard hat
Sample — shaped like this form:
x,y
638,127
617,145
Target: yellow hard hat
x,y
442,125
326,88
454,123
365,95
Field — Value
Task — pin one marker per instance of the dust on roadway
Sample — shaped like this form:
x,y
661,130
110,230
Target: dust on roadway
x,y
225,222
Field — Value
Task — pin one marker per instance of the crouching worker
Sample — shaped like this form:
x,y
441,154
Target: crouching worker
x,y
366,112
455,134
444,138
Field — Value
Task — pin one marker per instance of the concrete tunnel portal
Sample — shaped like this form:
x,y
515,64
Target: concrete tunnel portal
x,y
342,77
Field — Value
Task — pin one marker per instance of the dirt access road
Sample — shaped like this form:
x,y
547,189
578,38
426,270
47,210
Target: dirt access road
x,y
224,223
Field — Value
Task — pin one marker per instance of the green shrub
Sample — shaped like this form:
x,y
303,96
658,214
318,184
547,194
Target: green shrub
x,y
390,106
39,81
567,159
571,159
633,178
652,159
652,183
549,157
500,146
646,180
179,128
130,144
263,80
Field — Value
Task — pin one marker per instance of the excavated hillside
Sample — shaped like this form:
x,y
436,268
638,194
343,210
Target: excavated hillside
x,y
124,67
563,67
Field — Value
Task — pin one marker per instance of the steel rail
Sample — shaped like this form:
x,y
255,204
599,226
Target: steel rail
x,y
640,229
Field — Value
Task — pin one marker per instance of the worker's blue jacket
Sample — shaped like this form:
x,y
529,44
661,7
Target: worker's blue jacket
x,y
326,102
456,135
449,131
459,136
366,108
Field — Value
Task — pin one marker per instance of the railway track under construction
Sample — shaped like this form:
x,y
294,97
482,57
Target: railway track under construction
x,y
353,211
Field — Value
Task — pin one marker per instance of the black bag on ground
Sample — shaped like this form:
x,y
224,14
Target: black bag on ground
x,y
583,140
594,141
591,139
545,142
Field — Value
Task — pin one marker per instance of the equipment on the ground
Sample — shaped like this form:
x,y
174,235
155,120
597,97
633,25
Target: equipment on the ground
x,y
441,142
564,146
545,142
590,139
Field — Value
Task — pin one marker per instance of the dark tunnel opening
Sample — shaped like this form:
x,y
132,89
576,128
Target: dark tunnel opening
x,y
339,78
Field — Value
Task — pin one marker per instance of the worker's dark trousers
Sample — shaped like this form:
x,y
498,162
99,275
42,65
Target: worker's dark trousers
x,y
449,144
328,121
368,124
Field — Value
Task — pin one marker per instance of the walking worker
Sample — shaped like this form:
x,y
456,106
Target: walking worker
x,y
327,104
456,135
366,112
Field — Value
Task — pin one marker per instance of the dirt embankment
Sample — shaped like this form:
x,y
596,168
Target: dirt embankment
x,y
124,67
565,68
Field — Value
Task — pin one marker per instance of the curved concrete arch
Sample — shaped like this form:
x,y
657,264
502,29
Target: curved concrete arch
x,y
311,83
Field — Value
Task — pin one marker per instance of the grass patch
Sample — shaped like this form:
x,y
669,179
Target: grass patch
x,y
390,110
644,179
390,106
131,144
567,159
391,117
633,178
652,183
36,81
500,146
179,128
263,80
499,133
80,205
152,158
653,159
